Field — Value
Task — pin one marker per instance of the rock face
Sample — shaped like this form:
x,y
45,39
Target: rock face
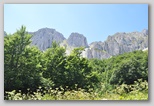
x,y
119,43
44,37
77,40
74,40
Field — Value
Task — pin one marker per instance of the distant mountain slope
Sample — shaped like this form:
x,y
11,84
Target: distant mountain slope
x,y
74,40
118,43
44,37
77,40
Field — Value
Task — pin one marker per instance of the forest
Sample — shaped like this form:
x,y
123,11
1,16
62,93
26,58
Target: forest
x,y
31,74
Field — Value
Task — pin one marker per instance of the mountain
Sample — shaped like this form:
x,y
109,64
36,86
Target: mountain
x,y
118,43
74,40
44,37
77,40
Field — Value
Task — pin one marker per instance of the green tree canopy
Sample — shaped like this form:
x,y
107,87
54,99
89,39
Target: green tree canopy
x,y
21,62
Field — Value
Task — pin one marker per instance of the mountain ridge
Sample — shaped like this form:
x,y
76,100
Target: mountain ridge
x,y
115,44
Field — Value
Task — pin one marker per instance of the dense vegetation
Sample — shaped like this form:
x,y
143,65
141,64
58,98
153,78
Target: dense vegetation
x,y
31,74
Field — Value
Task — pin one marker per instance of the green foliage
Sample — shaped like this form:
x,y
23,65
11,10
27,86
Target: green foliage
x,y
138,92
79,94
79,71
134,66
125,68
53,94
14,95
67,70
62,77
54,44
21,62
54,62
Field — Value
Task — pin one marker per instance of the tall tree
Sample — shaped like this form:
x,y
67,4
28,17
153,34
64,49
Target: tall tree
x,y
53,63
21,61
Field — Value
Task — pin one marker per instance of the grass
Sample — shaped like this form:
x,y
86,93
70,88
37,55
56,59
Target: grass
x,y
78,95
136,91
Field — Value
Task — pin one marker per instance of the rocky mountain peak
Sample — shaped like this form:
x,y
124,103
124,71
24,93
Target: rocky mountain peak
x,y
77,40
44,37
120,43
44,31
47,30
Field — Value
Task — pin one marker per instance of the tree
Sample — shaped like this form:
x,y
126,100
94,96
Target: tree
x,y
21,62
54,62
132,68
79,71
68,70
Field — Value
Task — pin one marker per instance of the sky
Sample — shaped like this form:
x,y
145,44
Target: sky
x,y
95,21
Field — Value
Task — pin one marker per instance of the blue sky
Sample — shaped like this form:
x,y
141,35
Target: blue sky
x,y
95,21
